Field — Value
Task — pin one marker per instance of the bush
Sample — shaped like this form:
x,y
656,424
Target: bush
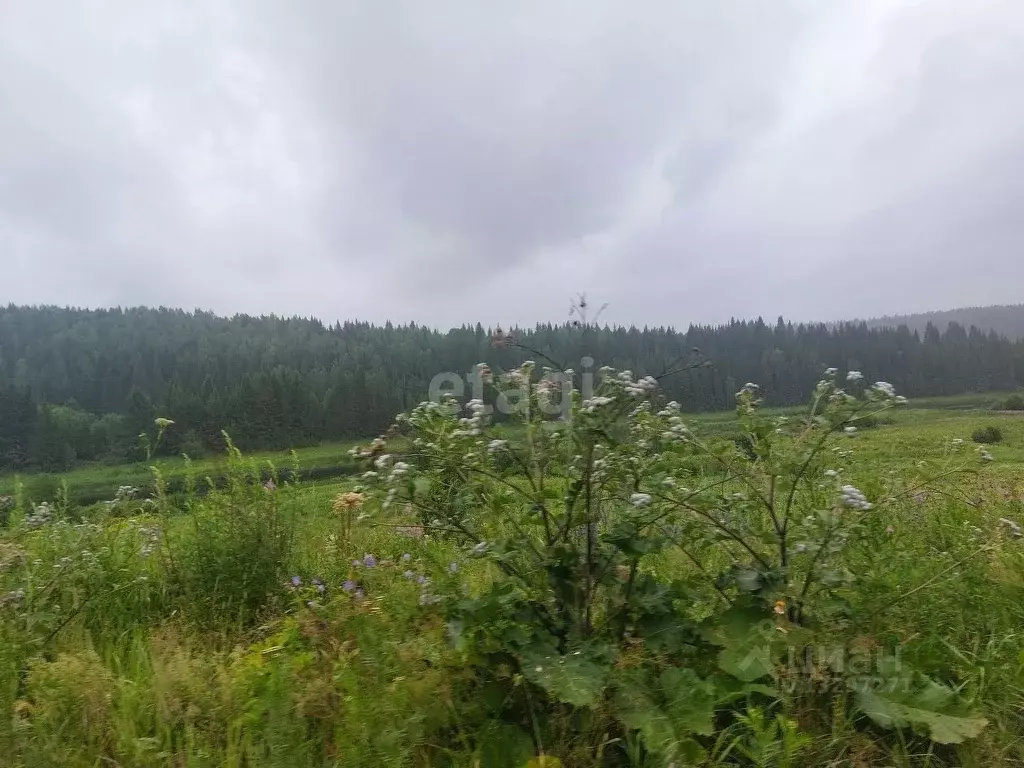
x,y
989,434
571,519
229,561
1014,403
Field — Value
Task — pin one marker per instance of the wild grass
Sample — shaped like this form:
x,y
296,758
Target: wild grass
x,y
234,629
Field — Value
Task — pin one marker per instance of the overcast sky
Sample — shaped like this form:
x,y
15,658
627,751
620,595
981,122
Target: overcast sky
x,y
461,160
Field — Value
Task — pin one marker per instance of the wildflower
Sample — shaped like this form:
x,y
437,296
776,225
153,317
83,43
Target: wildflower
x,y
851,430
984,455
592,404
496,445
453,568
399,470
853,498
349,585
369,561
1013,526
320,587
885,388
347,502
310,604
853,376
831,371
270,486
422,580
480,548
162,423
639,500
889,530
358,595
644,386
406,557
831,473
409,575
371,475
780,607
382,461
296,581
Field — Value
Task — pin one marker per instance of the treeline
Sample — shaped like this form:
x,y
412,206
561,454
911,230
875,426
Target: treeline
x,y
1006,319
78,385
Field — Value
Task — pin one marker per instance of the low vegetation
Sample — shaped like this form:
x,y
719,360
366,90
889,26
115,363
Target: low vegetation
x,y
624,585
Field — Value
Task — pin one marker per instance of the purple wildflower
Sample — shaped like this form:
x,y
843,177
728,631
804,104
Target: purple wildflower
x,y
296,581
369,561
349,585
359,595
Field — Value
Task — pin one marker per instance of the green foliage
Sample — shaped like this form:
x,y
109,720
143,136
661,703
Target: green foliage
x,y
571,513
230,559
1014,403
625,587
989,434
277,383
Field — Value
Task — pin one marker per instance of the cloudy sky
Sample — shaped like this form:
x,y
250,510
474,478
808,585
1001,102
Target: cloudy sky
x,y
463,160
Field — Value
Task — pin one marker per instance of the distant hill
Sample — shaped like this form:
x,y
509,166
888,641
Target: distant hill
x,y
1006,320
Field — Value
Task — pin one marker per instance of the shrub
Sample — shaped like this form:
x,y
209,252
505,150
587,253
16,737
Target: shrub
x,y
230,559
575,614
989,434
1014,403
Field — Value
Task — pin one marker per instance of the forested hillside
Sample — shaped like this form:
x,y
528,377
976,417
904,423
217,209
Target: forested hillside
x,y
82,384
1006,320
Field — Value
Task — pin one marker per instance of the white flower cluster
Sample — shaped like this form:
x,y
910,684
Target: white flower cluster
x,y
376,446
640,500
400,470
831,371
645,386
853,376
496,445
1013,526
383,461
854,499
483,370
851,430
39,517
472,426
677,432
984,455
598,401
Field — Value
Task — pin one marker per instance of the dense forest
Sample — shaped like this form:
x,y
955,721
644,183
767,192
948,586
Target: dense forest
x,y
80,385
1006,320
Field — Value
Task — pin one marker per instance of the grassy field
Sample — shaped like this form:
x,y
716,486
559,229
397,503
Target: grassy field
x,y
95,482
169,632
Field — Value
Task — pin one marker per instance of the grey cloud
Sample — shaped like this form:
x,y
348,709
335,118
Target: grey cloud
x,y
459,161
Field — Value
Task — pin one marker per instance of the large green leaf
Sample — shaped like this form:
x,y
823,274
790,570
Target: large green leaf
x,y
746,637
669,713
917,702
573,678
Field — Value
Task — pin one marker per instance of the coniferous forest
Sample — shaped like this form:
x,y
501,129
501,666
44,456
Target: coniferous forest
x,y
80,385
